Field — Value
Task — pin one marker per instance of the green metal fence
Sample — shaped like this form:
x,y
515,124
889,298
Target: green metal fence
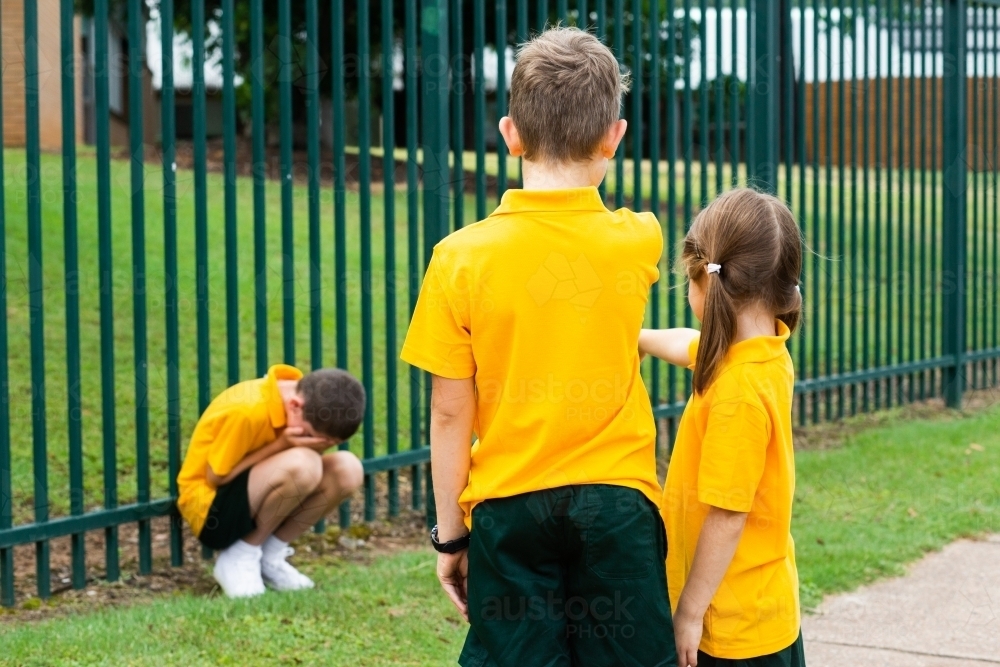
x,y
876,120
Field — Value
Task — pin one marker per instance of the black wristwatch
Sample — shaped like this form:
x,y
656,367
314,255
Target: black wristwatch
x,y
451,546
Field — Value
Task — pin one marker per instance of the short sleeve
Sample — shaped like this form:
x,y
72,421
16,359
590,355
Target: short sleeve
x,y
693,351
733,453
233,441
437,340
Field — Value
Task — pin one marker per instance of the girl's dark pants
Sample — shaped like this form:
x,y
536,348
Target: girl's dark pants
x,y
571,576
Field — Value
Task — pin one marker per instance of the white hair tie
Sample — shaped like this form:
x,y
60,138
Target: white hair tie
x,y
713,268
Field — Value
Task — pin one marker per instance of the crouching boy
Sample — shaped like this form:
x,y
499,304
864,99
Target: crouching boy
x,y
529,323
255,476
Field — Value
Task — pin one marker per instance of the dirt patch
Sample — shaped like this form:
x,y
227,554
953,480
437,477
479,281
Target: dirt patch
x,y
833,434
361,543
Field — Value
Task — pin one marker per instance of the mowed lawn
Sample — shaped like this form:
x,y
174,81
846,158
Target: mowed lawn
x,y
865,507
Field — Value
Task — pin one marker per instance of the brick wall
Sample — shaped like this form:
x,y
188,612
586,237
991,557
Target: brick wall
x,y
49,95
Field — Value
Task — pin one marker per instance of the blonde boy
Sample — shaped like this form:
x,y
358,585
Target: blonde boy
x,y
529,322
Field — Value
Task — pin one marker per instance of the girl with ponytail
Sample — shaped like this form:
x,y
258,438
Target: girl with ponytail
x,y
727,502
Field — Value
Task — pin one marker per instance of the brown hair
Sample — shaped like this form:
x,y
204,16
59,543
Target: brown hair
x,y
565,93
333,402
753,236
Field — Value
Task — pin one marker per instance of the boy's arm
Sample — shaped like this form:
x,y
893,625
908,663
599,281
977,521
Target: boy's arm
x,y
453,410
251,459
720,535
671,345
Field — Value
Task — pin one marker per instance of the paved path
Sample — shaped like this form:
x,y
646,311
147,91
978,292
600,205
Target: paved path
x,y
944,613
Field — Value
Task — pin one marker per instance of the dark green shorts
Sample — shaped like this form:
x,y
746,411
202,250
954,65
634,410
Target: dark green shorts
x,y
568,576
793,656
229,516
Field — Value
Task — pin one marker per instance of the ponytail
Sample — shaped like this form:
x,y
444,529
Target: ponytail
x,y
717,332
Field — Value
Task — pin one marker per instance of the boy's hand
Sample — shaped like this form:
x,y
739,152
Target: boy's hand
x,y
297,437
453,573
687,635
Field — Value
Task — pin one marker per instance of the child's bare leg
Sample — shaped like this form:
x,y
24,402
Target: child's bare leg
x,y
343,474
279,485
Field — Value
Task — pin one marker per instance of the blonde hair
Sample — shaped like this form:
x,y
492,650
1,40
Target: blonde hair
x,y
754,239
565,93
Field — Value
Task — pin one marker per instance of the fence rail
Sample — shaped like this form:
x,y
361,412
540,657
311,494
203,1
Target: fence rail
x,y
876,120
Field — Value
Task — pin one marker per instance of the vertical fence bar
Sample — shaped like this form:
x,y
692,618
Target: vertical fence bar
x,y
934,273
924,239
167,123
434,43
479,105
841,291
635,128
200,200
312,141
671,251
287,192
413,229
72,276
763,99
734,93
686,140
339,197
457,127
866,259
260,174
996,196
229,159
911,322
901,195
136,68
521,37
501,48
877,240
620,55
364,193
720,92
654,185
542,10
800,123
852,307
973,250
6,492
954,200
312,148
828,220
35,288
389,180
814,349
703,105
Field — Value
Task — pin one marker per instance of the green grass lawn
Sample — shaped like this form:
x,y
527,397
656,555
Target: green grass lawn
x,y
850,301
888,494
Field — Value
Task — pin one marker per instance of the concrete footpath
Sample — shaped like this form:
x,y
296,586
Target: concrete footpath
x,y
944,613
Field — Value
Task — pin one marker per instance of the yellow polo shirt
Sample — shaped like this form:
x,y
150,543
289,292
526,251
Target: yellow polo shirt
x,y
734,451
542,303
241,419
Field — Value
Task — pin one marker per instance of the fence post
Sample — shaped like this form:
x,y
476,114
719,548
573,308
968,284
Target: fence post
x,y
435,74
763,94
954,196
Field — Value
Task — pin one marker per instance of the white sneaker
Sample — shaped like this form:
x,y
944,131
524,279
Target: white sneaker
x,y
281,576
237,569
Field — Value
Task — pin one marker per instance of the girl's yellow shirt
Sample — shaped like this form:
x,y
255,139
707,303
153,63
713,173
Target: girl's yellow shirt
x,y
734,451
542,303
